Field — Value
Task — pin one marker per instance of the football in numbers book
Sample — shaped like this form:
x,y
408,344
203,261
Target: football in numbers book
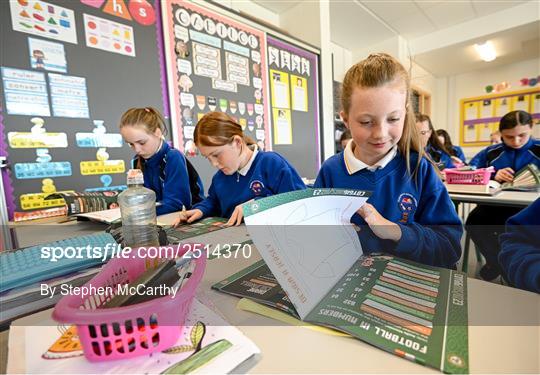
x,y
312,251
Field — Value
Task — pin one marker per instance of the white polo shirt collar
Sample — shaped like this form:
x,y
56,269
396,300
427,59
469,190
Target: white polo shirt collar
x,y
246,167
354,165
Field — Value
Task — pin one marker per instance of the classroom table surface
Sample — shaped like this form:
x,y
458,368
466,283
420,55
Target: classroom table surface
x,y
504,333
503,198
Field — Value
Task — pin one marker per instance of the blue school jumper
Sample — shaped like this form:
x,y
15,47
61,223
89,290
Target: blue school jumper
x,y
502,156
520,248
167,175
459,153
420,205
269,174
439,156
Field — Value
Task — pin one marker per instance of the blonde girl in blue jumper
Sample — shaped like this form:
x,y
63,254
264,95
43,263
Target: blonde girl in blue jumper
x,y
409,213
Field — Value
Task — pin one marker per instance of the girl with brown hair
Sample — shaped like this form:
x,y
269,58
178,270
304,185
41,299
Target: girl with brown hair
x,y
244,171
166,171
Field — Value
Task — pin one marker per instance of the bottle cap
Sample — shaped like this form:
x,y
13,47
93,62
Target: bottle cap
x,y
135,177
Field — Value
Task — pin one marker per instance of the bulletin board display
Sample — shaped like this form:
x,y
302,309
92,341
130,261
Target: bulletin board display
x,y
480,116
69,69
294,104
214,63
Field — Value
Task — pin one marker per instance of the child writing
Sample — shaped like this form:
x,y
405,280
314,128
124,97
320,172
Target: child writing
x,y
517,150
520,249
409,213
455,152
433,147
245,173
166,171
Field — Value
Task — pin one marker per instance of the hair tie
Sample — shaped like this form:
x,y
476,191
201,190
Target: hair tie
x,y
146,109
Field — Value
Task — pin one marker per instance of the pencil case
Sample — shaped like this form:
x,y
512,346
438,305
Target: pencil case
x,y
130,331
479,176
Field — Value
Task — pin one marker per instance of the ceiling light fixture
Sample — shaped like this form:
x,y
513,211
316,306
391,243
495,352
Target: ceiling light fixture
x,y
486,51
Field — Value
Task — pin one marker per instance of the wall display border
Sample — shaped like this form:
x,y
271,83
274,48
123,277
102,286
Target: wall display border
x,y
481,114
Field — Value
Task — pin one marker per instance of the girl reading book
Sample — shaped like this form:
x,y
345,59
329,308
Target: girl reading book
x,y
409,213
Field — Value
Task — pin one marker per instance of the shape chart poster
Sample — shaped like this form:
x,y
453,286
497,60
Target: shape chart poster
x,y
214,63
43,19
61,99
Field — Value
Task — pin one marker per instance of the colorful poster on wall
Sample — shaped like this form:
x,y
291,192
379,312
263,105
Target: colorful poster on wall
x,y
471,111
487,109
470,133
47,55
43,19
299,93
64,99
279,84
535,99
213,63
293,78
68,96
25,92
282,126
502,107
520,103
108,35
475,131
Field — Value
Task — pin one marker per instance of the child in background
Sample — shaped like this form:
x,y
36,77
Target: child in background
x,y
409,213
166,171
434,148
520,249
518,149
456,152
495,138
245,173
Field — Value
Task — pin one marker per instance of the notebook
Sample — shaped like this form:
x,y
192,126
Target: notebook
x,y
41,262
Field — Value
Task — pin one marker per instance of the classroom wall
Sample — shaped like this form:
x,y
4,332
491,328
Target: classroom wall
x,y
398,47
473,83
303,22
342,61
252,9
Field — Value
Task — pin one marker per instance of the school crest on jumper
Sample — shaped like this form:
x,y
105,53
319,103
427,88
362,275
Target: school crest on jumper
x,y
256,187
407,205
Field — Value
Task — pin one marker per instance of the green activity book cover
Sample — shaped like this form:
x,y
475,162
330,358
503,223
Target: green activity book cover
x,y
314,269
411,310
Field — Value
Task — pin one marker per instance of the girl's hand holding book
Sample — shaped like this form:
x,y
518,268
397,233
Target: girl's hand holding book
x,y
505,175
384,229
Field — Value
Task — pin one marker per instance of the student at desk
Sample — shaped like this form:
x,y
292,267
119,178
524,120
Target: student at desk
x,y
166,171
517,150
433,147
245,173
520,248
409,213
456,152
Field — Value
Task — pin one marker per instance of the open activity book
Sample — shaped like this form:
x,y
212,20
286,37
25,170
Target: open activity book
x,y
313,252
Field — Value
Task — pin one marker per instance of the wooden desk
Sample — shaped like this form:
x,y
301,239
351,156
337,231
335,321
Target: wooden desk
x,y
504,333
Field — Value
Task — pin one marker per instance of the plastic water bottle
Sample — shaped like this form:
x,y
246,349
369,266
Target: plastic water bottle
x,y
138,209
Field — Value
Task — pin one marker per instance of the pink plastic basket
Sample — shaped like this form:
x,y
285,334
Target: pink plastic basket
x,y
125,332
479,176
